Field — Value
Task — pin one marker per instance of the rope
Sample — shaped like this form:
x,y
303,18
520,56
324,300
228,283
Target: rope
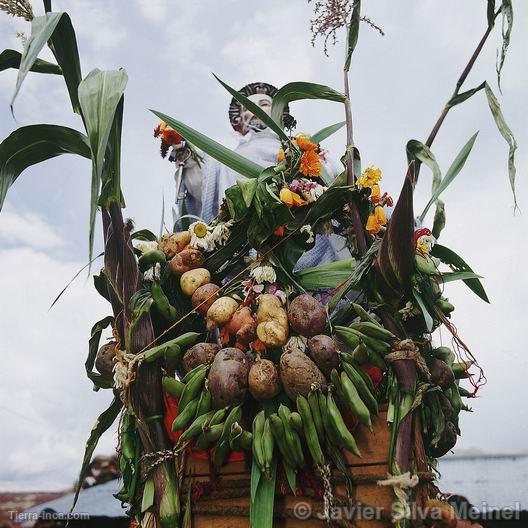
x,y
407,349
401,484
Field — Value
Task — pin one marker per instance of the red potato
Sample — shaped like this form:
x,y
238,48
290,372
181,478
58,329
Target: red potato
x,y
307,315
172,243
187,260
323,351
228,377
242,325
204,297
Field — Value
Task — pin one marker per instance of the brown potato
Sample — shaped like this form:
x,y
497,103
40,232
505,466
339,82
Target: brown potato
x,y
191,280
264,381
298,372
199,354
441,373
228,377
323,351
187,260
439,514
104,360
172,243
307,315
206,294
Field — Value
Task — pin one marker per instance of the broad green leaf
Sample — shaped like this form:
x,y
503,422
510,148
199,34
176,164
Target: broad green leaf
x,y
231,159
32,144
148,495
326,132
459,275
262,505
449,257
353,33
507,134
63,45
248,188
56,28
296,91
255,110
11,59
105,420
451,174
100,93
507,24
291,476
326,275
93,346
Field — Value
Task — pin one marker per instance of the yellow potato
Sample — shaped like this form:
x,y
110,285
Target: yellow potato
x,y
272,334
191,280
221,312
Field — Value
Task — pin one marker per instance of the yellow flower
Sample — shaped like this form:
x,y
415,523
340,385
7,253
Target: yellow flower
x,y
379,213
290,198
305,143
371,175
281,156
310,164
162,126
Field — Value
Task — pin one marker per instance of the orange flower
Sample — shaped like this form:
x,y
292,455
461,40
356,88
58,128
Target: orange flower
x,y
290,198
305,143
376,220
375,194
279,231
281,156
310,164
171,136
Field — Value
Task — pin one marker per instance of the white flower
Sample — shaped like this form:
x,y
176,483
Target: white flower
x,y
146,245
264,273
201,236
312,194
221,232
296,342
308,229
153,273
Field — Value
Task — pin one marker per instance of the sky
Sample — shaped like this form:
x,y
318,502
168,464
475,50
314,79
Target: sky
x,y
399,84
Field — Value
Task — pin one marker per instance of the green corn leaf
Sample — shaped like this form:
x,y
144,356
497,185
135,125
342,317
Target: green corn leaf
x,y
58,30
296,91
231,159
491,13
100,94
11,59
291,476
63,44
507,24
459,275
451,173
464,96
32,144
439,219
427,316
353,33
507,134
105,421
262,505
326,132
449,257
326,275
93,346
417,151
255,110
148,495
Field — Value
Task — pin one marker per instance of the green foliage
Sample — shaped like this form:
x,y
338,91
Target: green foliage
x,y
93,346
326,132
11,59
353,33
32,144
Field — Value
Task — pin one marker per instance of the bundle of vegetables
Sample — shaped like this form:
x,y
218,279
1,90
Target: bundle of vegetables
x,y
214,320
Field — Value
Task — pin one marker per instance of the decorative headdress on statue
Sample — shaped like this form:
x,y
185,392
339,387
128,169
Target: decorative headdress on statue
x,y
242,121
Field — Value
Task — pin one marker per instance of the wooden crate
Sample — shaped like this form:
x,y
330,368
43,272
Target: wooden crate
x,y
229,506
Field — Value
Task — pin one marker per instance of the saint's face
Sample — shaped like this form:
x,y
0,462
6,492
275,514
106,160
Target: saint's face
x,y
248,121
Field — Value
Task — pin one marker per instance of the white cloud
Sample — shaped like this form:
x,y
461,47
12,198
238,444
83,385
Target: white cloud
x,y
47,406
155,10
28,229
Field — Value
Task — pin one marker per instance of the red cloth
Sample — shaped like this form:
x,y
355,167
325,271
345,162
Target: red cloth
x,y
171,412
